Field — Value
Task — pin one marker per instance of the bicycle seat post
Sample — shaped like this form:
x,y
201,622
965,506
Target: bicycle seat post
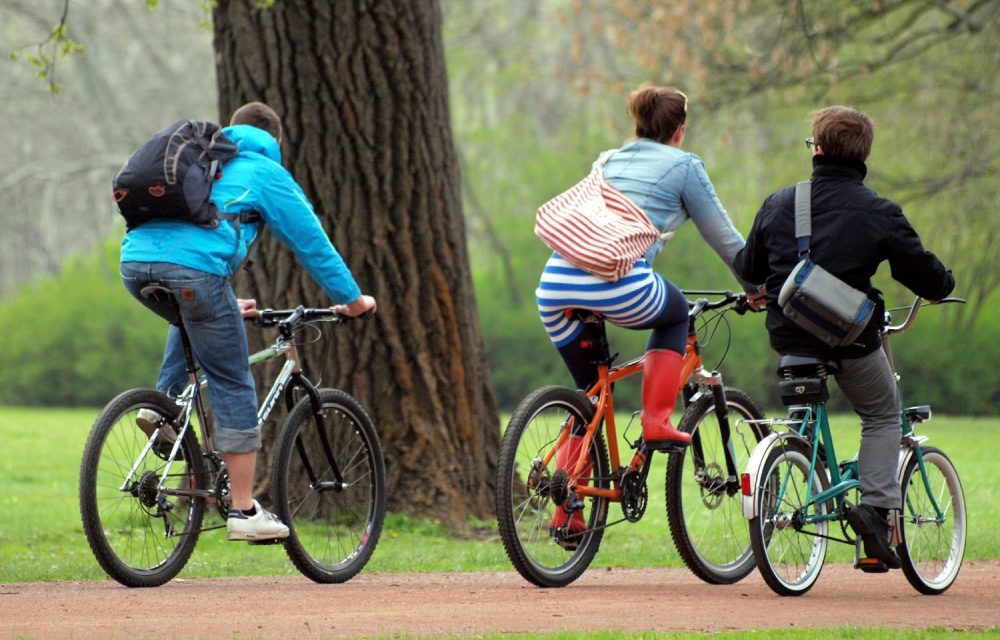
x,y
163,295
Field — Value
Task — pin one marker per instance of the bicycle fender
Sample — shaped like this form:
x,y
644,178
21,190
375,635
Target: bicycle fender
x,y
906,449
755,465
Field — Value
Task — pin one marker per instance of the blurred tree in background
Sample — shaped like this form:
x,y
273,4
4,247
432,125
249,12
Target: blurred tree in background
x,y
537,89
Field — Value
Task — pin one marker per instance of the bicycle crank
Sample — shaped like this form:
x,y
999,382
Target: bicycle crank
x,y
635,493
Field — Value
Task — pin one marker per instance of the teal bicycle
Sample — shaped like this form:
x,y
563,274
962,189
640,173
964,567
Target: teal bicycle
x,y
797,495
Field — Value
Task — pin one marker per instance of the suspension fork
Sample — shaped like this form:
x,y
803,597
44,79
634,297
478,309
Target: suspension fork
x,y
300,381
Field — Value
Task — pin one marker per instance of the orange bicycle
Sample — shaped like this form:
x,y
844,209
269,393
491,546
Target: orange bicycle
x,y
554,460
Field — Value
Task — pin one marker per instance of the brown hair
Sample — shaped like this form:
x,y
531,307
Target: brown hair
x,y
843,132
258,114
657,111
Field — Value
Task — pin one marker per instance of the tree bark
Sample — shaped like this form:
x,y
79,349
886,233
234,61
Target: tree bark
x,y
362,90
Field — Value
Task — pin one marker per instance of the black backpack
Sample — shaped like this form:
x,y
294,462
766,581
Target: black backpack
x,y
171,175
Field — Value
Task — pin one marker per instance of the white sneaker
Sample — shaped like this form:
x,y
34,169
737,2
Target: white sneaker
x,y
263,525
149,421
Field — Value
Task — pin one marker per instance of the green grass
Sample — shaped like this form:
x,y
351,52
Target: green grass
x,y
42,538
845,633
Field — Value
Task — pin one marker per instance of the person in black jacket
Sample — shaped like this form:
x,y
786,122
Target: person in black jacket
x,y
853,232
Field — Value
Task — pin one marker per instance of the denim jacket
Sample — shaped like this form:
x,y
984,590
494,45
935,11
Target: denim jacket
x,y
670,185
252,181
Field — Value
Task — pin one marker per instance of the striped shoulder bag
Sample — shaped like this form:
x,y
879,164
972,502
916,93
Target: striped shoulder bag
x,y
596,227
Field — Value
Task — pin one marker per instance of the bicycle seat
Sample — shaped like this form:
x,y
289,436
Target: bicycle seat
x,y
806,367
585,315
157,292
803,379
162,294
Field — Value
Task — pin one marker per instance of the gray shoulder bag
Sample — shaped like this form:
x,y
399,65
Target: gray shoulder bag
x,y
815,299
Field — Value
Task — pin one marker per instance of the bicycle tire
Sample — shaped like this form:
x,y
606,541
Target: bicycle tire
x,y
524,512
705,506
788,555
120,523
333,530
931,552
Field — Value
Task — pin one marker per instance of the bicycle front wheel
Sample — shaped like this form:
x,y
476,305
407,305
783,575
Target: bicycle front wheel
x,y
704,503
334,524
525,491
789,536
140,535
932,540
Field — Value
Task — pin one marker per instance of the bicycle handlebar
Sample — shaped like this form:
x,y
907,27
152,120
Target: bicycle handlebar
x,y
291,317
737,300
911,316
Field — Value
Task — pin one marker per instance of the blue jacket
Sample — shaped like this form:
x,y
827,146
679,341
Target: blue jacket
x,y
252,181
670,186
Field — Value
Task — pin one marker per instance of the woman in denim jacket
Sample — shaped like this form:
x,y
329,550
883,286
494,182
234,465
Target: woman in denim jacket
x,y
670,185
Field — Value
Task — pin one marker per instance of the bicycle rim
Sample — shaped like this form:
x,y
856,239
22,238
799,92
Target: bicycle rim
x,y
334,527
788,553
524,505
704,504
140,537
932,547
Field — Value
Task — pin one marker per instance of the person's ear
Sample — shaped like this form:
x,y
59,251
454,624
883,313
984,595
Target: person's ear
x,y
678,136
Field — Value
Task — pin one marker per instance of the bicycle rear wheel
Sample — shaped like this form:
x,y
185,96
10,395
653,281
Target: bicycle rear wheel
x,y
932,547
334,527
141,537
704,503
788,551
524,488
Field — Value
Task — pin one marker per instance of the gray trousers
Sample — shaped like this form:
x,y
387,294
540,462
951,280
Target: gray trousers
x,y
870,387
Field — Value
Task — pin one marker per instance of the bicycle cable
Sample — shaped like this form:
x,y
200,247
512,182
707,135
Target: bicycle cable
x,y
710,326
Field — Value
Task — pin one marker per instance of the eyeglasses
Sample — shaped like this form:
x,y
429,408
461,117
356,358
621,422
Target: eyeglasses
x,y
809,143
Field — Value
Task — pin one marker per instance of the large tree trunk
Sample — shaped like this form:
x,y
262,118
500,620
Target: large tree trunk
x,y
362,90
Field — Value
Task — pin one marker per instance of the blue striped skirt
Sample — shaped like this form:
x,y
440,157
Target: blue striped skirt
x,y
634,301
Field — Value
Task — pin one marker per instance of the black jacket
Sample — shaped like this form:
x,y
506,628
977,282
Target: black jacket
x,y
853,231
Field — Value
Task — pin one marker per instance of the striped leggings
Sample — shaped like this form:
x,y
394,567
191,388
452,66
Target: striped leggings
x,y
642,299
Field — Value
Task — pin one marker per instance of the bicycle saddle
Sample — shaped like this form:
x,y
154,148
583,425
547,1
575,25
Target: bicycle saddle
x,y
157,292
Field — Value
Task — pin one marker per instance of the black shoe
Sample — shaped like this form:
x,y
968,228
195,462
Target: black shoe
x,y
874,531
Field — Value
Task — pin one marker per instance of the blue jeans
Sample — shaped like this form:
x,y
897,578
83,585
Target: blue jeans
x,y
213,322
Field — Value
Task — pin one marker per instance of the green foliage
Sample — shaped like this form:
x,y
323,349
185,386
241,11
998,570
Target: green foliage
x,y
78,338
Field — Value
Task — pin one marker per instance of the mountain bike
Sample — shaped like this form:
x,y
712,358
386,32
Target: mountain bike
x,y
143,499
797,495
703,497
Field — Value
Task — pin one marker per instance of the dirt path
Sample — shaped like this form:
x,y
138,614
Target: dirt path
x,y
466,604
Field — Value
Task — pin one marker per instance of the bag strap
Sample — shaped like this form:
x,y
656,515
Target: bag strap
x,y
803,217
605,156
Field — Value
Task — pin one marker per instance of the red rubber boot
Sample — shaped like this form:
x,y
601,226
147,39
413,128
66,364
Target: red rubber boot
x,y
566,459
661,377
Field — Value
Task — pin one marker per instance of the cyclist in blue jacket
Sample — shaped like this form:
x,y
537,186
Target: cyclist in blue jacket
x,y
196,262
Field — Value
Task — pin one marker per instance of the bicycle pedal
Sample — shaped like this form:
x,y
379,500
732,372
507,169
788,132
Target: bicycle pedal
x,y
872,565
268,541
671,448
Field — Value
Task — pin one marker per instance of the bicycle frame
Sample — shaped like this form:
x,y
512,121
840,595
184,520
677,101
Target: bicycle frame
x,y
844,475
693,374
289,378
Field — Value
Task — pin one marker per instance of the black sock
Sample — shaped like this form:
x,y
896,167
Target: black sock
x,y
252,511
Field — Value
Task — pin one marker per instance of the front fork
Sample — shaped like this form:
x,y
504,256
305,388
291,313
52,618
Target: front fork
x,y
702,378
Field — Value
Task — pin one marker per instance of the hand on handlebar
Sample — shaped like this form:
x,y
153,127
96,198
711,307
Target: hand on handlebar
x,y
362,304
758,300
248,307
